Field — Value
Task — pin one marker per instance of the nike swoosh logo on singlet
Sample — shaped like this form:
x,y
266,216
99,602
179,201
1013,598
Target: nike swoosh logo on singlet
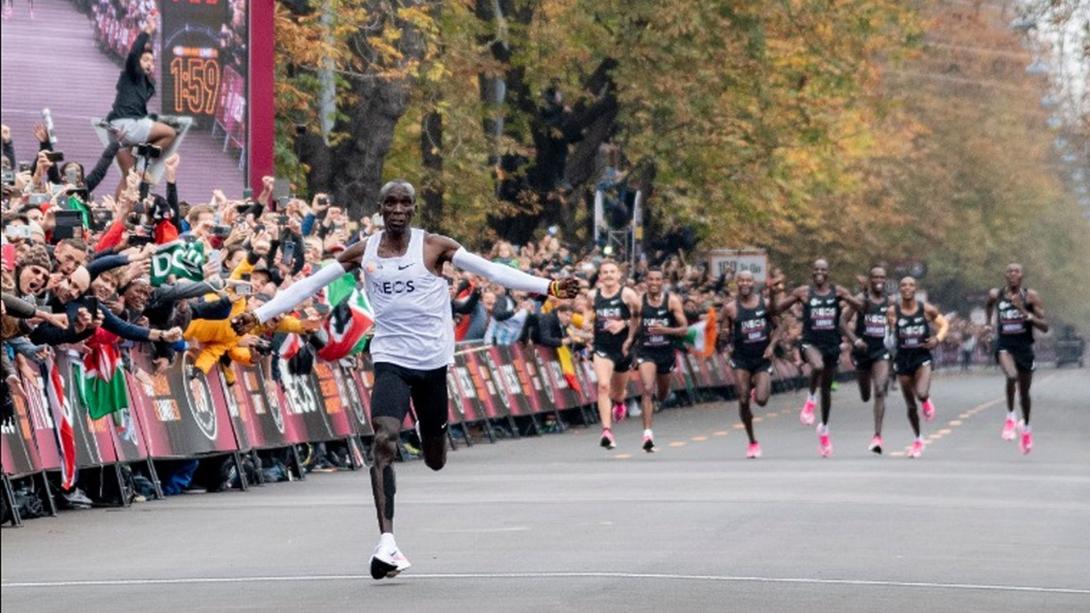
x,y
404,267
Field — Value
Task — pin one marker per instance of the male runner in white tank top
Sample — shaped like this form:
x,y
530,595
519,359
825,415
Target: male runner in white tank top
x,y
414,337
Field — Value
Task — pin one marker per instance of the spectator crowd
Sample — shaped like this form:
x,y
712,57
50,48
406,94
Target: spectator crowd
x,y
100,275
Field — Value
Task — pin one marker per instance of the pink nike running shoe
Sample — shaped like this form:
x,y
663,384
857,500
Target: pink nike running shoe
x,y
753,451
1026,443
928,410
807,414
1008,429
916,450
825,445
619,411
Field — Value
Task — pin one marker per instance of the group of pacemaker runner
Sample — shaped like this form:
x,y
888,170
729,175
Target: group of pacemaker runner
x,y
413,343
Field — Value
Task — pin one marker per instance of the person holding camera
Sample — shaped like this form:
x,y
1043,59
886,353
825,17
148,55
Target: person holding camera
x,y
129,115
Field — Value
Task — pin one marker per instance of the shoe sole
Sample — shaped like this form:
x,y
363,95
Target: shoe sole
x,y
877,450
382,570
649,447
607,444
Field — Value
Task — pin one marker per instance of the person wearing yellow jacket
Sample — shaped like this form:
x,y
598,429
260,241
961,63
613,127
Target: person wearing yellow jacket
x,y
217,339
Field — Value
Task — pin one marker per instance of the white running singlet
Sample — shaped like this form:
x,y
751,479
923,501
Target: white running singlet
x,y
413,323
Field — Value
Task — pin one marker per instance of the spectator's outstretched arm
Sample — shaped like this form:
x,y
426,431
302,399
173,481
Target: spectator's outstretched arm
x,y
132,61
9,147
100,265
182,290
98,173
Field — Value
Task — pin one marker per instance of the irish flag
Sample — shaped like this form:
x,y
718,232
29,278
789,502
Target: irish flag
x,y
701,335
351,319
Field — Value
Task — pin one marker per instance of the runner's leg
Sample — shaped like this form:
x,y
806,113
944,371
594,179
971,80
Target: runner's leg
x,y
742,382
909,392
762,382
603,371
429,395
647,388
828,375
1025,380
880,376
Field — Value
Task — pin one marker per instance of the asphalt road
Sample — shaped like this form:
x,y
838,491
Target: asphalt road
x,y
558,523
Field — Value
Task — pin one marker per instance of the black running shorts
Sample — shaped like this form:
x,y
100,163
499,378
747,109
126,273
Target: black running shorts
x,y
830,356
664,359
396,385
752,364
908,361
864,359
621,362
1024,359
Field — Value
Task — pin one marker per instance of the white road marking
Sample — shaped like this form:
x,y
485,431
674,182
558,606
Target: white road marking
x,y
477,530
553,575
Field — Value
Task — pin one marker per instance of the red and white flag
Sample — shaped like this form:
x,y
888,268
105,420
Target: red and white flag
x,y
65,432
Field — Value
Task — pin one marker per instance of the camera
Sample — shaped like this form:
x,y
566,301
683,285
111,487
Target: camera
x,y
221,231
16,232
139,241
100,218
323,200
26,167
54,156
9,177
150,152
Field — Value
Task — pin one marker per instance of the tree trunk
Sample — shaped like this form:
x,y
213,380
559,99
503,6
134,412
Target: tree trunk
x,y
431,152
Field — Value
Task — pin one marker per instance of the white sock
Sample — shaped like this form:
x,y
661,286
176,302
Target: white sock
x,y
823,429
811,397
1026,428
919,438
1010,415
647,432
387,540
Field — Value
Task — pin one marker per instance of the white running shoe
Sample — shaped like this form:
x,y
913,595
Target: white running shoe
x,y
387,561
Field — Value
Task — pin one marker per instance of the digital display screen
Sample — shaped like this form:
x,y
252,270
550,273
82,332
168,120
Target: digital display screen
x,y
201,71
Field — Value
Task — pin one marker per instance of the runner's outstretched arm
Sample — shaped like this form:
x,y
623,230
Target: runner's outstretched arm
x,y
449,250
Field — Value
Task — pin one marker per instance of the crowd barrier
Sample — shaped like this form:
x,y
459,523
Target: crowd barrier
x,y
184,413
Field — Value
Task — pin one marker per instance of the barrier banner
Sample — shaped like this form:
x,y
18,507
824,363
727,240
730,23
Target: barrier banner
x,y
19,454
128,431
508,387
531,379
94,443
357,378
699,370
584,372
485,387
43,430
346,382
180,418
461,389
334,399
563,396
720,370
300,401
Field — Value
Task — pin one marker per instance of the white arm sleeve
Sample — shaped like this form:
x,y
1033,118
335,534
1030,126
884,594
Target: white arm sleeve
x,y
285,300
499,273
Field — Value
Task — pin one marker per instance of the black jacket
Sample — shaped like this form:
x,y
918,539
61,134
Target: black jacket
x,y
134,87
550,332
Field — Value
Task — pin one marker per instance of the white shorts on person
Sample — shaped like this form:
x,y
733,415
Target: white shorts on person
x,y
136,131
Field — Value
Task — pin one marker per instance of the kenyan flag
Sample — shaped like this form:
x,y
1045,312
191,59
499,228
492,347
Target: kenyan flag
x,y
350,321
